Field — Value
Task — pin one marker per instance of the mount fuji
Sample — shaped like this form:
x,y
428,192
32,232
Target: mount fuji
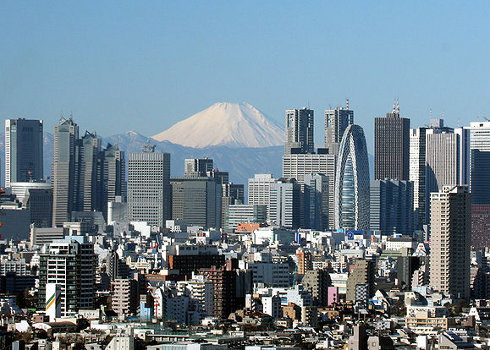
x,y
235,125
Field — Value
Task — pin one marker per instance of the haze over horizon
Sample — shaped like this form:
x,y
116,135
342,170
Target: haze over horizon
x,y
130,66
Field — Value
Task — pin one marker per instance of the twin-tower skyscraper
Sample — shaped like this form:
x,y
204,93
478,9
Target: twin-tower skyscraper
x,y
343,160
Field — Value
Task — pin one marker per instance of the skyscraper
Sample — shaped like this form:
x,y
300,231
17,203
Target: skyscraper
x,y
88,188
336,121
391,207
297,166
23,150
259,190
450,241
418,167
299,131
446,160
417,174
391,147
352,181
149,191
316,203
63,175
113,175
284,208
197,201
480,162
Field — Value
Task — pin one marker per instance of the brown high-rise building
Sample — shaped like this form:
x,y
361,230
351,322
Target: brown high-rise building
x,y
224,281
361,276
450,241
391,147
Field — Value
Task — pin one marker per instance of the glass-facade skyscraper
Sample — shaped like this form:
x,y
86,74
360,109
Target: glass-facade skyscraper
x,y
352,181
23,150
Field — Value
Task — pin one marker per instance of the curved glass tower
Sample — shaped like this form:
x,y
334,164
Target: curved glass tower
x,y
352,181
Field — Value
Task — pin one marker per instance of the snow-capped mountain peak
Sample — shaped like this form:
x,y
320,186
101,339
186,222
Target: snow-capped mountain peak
x,y
225,124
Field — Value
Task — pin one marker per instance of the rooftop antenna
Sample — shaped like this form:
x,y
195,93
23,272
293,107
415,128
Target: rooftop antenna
x,y
398,105
394,105
347,103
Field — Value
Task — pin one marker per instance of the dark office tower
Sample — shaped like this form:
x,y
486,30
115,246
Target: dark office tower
x,y
197,201
221,177
480,162
450,241
391,147
315,202
299,131
391,207
352,181
113,175
149,191
23,150
87,172
336,121
63,174
198,167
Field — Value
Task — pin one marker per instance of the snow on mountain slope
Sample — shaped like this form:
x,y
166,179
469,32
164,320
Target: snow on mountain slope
x,y
225,124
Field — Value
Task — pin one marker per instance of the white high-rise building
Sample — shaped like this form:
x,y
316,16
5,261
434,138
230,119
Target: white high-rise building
x,y
149,190
259,190
417,173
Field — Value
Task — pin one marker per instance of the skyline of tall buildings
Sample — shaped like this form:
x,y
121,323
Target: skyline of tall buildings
x,y
321,229
86,176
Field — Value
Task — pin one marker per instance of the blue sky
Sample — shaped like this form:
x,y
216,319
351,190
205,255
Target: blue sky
x,y
128,65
